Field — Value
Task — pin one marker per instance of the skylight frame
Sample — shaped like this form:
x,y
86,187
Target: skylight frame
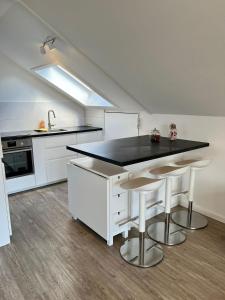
x,y
77,78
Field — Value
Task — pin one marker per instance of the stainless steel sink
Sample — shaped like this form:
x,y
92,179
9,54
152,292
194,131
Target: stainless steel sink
x,y
57,130
52,130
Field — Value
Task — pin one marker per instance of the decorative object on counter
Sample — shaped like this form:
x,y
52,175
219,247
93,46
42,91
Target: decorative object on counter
x,y
173,132
41,127
155,136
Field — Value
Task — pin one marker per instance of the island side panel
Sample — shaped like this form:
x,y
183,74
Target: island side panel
x,y
87,198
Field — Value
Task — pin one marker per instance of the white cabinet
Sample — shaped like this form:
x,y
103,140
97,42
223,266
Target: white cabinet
x,y
95,196
51,155
56,169
89,137
5,228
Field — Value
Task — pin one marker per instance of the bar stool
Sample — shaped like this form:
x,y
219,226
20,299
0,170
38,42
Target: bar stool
x,y
189,218
166,232
141,252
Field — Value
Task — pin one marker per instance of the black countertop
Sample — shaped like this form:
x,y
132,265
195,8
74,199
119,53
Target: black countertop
x,y
31,133
127,151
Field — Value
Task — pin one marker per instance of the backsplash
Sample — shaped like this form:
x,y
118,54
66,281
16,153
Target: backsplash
x,y
26,115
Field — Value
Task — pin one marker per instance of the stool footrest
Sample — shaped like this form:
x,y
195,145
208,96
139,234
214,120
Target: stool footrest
x,y
128,221
154,204
133,219
180,193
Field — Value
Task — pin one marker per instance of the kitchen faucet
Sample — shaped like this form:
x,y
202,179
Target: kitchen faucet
x,y
50,125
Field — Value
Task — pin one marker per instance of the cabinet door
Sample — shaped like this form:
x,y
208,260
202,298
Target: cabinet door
x,y
39,160
88,198
4,228
60,140
56,169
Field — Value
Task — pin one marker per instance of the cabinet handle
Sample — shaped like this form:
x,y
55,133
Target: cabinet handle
x,y
118,195
118,177
118,212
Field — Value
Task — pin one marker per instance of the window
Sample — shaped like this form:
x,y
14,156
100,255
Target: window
x,y
71,85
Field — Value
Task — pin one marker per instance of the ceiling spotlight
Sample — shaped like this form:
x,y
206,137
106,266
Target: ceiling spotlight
x,y
42,50
48,43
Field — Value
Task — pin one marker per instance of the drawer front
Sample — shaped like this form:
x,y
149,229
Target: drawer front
x,y
59,152
60,140
118,217
89,137
116,181
119,202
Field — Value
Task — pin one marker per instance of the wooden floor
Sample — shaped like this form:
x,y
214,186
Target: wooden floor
x,y
53,257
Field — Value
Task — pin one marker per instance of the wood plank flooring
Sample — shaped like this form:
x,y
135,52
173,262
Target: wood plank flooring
x,y
53,257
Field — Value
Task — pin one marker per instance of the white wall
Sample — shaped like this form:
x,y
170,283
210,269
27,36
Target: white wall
x,y
25,100
210,182
95,117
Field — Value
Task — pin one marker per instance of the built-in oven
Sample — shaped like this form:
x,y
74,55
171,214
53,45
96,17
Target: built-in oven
x,y
18,157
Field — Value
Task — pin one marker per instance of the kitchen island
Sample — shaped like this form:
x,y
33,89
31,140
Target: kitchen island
x,y
95,195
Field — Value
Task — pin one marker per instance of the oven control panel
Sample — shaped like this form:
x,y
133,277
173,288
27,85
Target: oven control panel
x,y
15,144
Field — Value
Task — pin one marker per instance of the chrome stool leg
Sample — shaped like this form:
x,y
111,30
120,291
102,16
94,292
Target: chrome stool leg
x,y
166,232
188,218
141,251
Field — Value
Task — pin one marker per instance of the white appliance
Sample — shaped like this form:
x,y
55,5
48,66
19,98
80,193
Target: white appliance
x,y
5,223
121,125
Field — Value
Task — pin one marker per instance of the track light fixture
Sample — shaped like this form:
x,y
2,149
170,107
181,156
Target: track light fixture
x,y
49,42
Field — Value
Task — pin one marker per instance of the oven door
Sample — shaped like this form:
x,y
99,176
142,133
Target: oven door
x,y
18,162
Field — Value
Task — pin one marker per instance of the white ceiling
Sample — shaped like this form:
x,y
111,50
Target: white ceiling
x,y
169,55
5,5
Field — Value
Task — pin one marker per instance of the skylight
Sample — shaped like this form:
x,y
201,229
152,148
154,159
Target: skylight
x,y
71,85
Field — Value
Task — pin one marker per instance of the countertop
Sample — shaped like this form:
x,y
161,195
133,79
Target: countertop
x,y
31,133
127,151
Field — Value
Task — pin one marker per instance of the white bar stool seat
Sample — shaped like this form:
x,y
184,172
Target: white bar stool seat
x,y
166,232
141,252
188,218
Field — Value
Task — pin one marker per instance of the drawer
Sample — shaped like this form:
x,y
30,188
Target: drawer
x,y
89,137
118,217
59,152
60,140
116,181
119,202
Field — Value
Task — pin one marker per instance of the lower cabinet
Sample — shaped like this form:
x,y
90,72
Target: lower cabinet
x,y
95,196
51,155
5,228
56,169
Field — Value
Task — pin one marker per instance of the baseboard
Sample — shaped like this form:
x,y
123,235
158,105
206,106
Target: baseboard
x,y
204,211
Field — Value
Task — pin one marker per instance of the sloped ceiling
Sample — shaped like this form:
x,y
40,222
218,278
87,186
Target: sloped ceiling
x,y
170,55
21,35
